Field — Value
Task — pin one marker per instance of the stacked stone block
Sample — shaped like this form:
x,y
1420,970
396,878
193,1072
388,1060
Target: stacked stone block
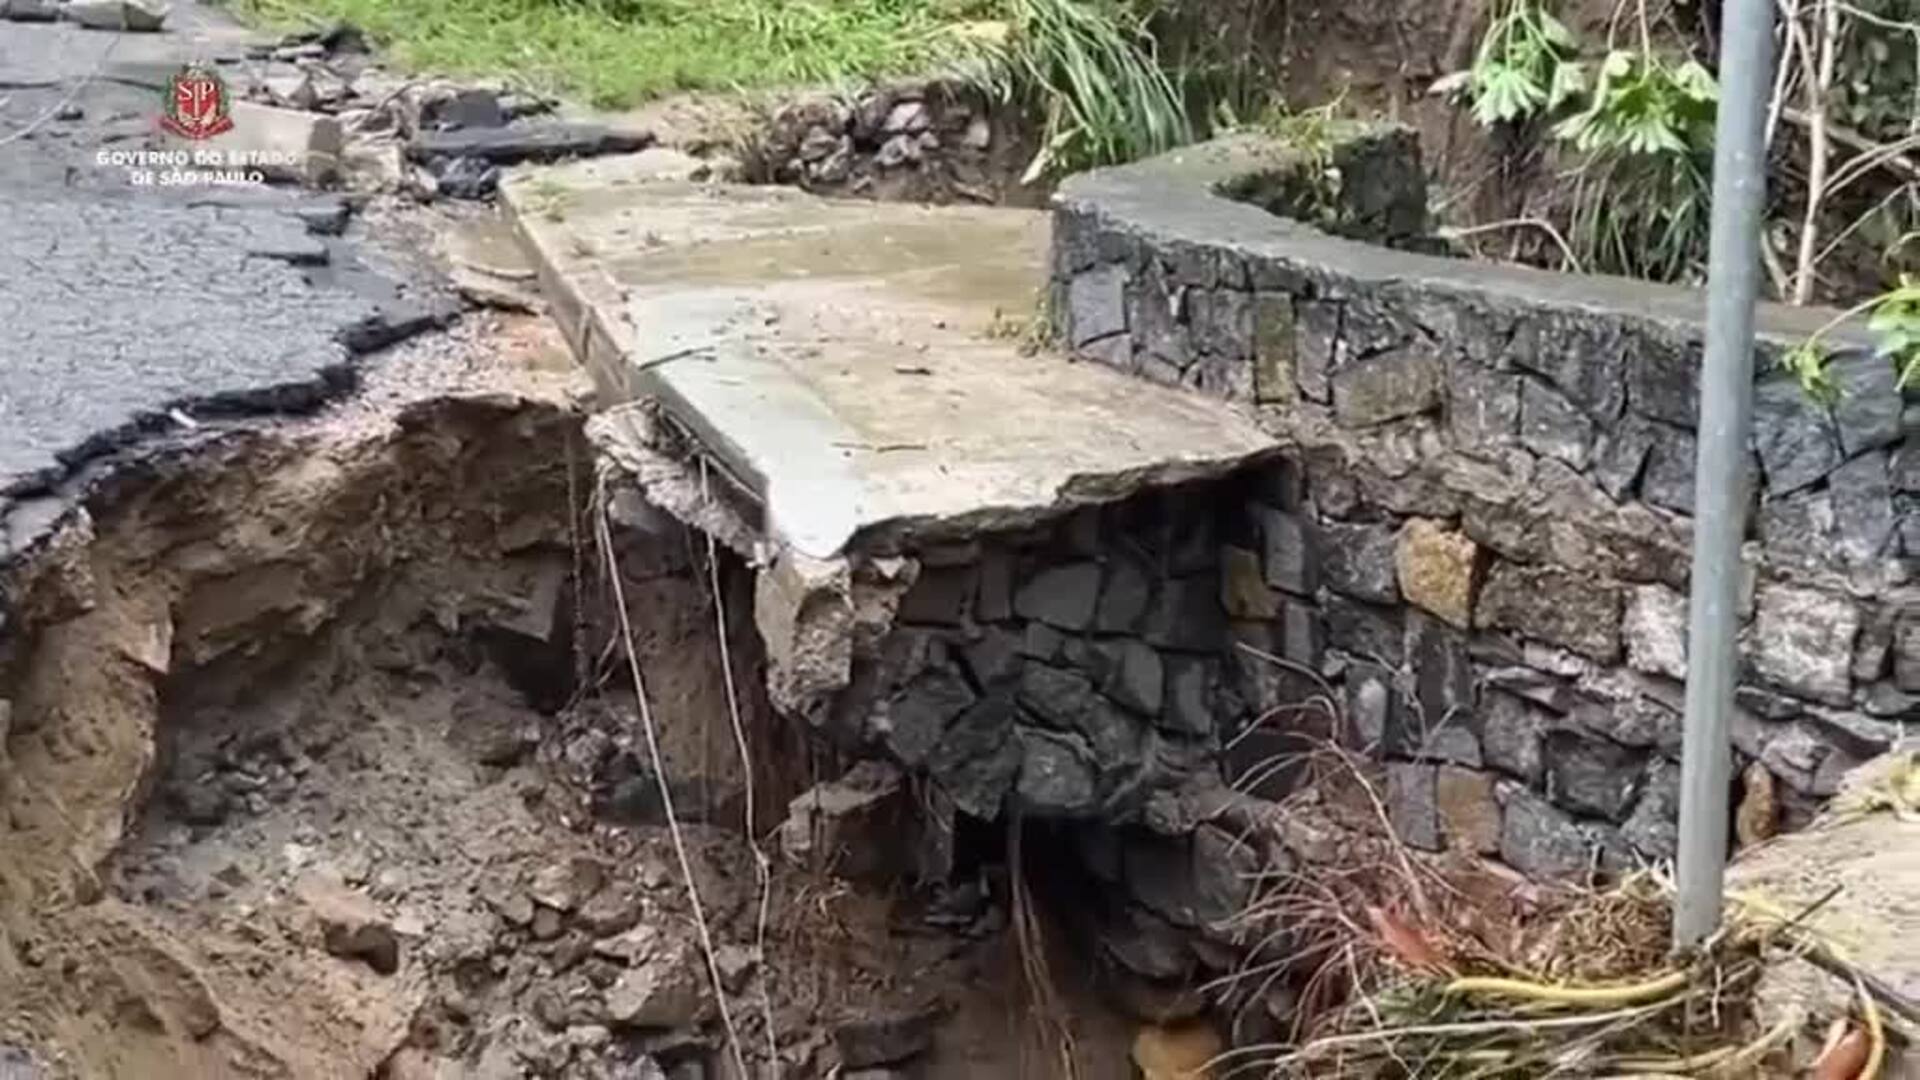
x,y
1485,547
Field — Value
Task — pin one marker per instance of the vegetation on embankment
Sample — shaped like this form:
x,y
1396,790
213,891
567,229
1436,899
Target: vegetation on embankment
x,y
1088,68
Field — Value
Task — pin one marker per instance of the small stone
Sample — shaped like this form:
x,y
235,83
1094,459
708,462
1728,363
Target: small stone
x,y
819,144
1469,813
940,597
1906,653
1042,642
1483,408
1359,560
979,134
1669,481
884,1038
1439,570
1655,629
1288,553
467,107
1097,305
736,964
1591,776
668,990
977,759
1867,413
1412,804
1796,442
1540,840
609,911
546,924
849,825
1243,586
911,117
1365,630
1062,596
1555,606
1187,615
1138,679
1512,731
1189,707
628,947
1397,383
1056,774
351,925
1863,507
1802,641
30,11
564,886
1124,599
995,600
1551,426
1653,829
139,16
915,718
1273,348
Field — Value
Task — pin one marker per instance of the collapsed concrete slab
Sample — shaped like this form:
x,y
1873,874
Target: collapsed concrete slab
x,y
853,363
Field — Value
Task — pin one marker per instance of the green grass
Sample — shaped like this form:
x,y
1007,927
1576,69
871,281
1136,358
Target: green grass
x,y
620,52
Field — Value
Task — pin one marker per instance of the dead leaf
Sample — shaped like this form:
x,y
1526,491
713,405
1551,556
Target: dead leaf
x,y
1404,941
1843,1059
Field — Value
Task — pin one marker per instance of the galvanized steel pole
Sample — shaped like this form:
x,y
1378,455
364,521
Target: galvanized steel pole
x,y
1720,486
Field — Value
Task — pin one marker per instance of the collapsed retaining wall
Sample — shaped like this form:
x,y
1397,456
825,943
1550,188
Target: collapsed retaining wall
x,y
1482,538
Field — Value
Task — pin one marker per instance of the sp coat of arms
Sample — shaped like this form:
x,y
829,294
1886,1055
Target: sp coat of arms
x,y
196,104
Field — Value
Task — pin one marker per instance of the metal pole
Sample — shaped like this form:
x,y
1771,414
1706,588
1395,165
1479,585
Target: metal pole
x,y
1720,485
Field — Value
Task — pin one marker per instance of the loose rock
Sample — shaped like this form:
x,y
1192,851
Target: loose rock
x,y
351,925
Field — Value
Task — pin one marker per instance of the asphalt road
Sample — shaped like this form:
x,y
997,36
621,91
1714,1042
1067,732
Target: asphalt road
x,y
123,309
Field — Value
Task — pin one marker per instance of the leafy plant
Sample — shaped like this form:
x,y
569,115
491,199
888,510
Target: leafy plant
x,y
1644,104
1643,133
1642,195
1092,70
1893,317
1525,65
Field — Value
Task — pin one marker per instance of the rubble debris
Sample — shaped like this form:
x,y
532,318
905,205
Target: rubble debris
x,y
138,16
533,142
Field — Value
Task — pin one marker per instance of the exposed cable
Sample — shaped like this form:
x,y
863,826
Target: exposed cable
x,y
760,867
604,533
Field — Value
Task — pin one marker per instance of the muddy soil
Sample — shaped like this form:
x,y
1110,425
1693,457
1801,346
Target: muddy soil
x,y
320,761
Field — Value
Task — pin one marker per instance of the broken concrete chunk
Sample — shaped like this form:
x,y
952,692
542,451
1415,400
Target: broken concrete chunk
x,y
139,16
285,144
851,826
541,142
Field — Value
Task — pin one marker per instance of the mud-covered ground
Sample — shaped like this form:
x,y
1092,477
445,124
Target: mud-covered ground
x,y
302,779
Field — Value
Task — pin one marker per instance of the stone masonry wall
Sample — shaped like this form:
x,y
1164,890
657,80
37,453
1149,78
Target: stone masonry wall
x,y
1481,540
929,141
1080,674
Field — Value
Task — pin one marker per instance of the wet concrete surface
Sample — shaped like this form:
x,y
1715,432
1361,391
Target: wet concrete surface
x,y
858,365
124,309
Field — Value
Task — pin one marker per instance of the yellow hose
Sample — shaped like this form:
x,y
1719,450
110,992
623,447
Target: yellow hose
x,y
1572,995
1876,1034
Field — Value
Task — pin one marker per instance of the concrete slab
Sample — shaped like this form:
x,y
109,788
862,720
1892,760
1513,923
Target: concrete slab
x,y
851,362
